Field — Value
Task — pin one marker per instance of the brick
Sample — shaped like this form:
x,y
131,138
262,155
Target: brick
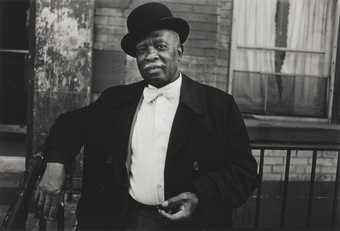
x,y
272,177
110,31
197,17
197,35
201,43
324,177
267,169
179,7
273,160
205,9
328,154
298,177
196,2
269,152
299,161
194,60
326,162
109,12
204,52
278,169
203,26
112,3
100,20
117,21
101,37
331,170
304,153
302,169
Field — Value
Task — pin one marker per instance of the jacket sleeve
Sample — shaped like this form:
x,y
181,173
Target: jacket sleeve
x,y
235,182
67,135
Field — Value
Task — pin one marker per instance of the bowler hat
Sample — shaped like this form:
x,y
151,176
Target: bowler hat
x,y
147,18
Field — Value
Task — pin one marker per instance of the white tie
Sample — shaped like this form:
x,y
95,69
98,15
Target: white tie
x,y
150,94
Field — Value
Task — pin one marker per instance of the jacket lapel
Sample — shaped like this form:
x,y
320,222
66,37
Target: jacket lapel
x,y
190,107
122,106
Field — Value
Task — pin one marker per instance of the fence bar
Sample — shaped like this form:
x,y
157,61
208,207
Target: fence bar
x,y
336,192
311,189
285,189
259,190
61,216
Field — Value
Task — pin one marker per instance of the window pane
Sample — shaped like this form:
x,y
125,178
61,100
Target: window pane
x,y
12,89
276,95
292,37
12,24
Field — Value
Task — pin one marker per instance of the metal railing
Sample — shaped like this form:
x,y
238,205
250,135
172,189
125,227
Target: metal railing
x,y
289,148
262,147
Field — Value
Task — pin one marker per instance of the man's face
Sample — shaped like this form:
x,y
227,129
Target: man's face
x,y
158,56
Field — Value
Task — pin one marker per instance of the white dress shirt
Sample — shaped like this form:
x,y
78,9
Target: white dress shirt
x,y
149,142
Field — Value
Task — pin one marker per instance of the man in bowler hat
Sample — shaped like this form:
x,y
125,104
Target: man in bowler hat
x,y
166,153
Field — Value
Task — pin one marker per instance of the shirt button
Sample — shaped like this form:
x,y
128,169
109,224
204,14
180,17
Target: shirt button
x,y
196,166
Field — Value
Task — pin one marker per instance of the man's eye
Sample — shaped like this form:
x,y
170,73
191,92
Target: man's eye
x,y
161,46
140,50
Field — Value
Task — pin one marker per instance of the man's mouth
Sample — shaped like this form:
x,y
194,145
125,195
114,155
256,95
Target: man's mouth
x,y
151,68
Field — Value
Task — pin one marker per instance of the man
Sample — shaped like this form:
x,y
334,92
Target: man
x,y
166,153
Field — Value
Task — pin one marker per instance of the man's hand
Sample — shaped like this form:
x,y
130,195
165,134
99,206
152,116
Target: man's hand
x,y
180,207
49,191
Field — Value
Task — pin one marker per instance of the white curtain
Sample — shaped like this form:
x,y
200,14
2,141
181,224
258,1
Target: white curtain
x,y
310,28
254,26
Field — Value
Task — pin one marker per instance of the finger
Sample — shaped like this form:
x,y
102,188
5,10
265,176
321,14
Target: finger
x,y
53,213
36,203
54,207
180,215
173,201
41,202
47,206
36,195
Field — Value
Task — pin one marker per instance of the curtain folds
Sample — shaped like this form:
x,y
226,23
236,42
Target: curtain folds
x,y
255,26
309,28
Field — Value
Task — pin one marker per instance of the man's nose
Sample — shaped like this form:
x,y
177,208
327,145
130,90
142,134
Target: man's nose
x,y
152,54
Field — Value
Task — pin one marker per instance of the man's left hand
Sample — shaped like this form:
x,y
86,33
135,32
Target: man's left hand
x,y
180,207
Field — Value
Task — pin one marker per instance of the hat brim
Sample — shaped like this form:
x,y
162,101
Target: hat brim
x,y
130,40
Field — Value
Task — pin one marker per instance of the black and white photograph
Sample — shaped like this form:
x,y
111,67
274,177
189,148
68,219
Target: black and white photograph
x,y
169,115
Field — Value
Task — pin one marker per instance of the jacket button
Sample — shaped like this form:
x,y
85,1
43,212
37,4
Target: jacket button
x,y
100,188
196,166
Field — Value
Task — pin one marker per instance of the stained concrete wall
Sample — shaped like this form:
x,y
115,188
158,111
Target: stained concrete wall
x,y
63,60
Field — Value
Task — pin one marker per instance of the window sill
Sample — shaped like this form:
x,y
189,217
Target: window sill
x,y
292,132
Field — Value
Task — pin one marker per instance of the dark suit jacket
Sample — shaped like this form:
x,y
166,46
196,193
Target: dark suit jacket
x,y
208,153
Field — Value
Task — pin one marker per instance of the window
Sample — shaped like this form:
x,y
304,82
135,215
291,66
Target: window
x,y
13,91
281,61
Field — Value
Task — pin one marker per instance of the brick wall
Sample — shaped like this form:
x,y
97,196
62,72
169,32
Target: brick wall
x,y
300,165
206,52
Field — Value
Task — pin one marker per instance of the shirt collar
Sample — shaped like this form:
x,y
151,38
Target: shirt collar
x,y
173,85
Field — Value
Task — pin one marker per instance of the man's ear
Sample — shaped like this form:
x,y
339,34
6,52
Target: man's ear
x,y
180,50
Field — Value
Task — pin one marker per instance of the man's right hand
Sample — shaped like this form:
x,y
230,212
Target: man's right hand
x,y
49,191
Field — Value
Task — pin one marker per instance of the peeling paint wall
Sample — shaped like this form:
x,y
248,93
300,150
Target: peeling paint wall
x,y
63,60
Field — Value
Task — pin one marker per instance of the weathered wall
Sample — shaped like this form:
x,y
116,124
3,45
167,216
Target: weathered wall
x,y
62,69
206,52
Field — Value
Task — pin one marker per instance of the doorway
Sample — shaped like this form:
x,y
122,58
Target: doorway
x,y
13,84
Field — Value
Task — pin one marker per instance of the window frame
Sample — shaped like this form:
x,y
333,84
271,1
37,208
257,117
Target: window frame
x,y
295,129
330,79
